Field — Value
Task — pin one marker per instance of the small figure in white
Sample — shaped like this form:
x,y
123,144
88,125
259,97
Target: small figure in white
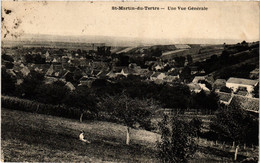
x,y
81,137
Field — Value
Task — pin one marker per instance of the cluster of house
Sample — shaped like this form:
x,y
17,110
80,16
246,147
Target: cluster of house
x,y
59,66
240,91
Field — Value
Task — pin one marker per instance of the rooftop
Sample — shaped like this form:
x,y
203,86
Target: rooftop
x,y
224,96
242,81
246,103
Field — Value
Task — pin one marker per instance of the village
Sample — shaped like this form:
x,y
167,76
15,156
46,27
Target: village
x,y
170,82
163,65
210,87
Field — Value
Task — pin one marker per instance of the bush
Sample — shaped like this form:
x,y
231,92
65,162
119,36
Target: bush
x,y
195,125
233,124
176,144
54,93
8,83
35,107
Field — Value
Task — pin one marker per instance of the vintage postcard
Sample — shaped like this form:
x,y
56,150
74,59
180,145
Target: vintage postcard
x,y
129,81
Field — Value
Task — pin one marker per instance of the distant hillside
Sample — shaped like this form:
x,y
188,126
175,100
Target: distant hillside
x,y
117,41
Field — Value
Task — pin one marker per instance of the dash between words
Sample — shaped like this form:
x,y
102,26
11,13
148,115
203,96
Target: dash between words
x,y
159,8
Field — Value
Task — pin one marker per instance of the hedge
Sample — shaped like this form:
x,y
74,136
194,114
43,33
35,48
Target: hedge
x,y
36,107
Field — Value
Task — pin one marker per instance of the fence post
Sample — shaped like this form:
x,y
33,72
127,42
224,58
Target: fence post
x,y
244,146
236,152
223,146
233,145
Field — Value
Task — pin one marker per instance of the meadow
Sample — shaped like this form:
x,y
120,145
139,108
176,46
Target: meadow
x,y
43,138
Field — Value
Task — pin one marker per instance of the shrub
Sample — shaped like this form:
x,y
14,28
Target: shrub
x,y
234,124
176,143
35,107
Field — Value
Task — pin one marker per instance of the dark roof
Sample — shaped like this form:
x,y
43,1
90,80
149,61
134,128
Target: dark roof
x,y
156,74
219,83
245,103
224,96
242,93
129,71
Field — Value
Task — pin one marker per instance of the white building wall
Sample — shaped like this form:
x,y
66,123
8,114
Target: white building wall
x,y
234,87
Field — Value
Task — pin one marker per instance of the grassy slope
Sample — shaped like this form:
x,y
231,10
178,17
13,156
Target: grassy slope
x,y
35,137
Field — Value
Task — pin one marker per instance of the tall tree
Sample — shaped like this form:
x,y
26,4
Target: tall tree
x,y
176,144
83,100
128,111
185,74
7,83
233,124
179,61
54,93
189,59
32,81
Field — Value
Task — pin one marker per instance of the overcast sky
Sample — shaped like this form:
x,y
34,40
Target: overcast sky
x,y
222,20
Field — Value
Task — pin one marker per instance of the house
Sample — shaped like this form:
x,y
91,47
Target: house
x,y
123,72
85,80
198,78
47,54
50,80
146,74
195,70
203,86
225,98
171,78
56,60
143,72
64,59
243,92
158,67
150,63
102,74
194,87
55,71
111,74
157,75
219,83
19,81
127,71
11,72
158,81
48,57
25,71
246,103
50,71
236,83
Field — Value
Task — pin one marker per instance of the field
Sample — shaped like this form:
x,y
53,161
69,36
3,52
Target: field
x,y
36,137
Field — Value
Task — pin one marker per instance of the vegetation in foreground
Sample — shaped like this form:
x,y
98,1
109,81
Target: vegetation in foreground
x,y
56,139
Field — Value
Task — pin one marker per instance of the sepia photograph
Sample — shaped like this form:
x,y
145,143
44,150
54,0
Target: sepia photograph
x,y
127,82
